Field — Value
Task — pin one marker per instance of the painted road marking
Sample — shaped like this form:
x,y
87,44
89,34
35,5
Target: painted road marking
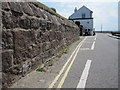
x,y
93,45
84,76
61,71
66,73
95,39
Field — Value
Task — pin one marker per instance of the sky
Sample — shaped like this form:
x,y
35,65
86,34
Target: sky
x,y
104,12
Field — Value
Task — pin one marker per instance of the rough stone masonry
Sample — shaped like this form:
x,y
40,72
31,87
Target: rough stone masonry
x,y
30,35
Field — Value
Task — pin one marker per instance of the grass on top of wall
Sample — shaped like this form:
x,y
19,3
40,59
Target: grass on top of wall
x,y
46,8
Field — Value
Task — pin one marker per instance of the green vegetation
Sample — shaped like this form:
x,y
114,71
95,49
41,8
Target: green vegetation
x,y
51,62
59,55
115,33
66,49
81,25
41,69
103,31
78,39
53,9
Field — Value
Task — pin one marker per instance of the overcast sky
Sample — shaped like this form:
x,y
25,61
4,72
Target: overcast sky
x,y
104,12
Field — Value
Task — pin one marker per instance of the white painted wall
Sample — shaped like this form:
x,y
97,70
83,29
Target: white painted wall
x,y
85,23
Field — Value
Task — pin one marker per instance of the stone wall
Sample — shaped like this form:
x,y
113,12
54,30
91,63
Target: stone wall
x,y
31,35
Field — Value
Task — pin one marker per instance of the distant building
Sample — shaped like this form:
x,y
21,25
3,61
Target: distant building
x,y
83,16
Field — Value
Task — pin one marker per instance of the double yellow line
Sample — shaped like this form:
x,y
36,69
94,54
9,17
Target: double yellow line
x,y
61,71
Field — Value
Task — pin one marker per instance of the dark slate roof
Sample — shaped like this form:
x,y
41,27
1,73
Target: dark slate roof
x,y
81,8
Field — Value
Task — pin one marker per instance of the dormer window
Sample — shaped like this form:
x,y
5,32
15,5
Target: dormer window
x,y
83,15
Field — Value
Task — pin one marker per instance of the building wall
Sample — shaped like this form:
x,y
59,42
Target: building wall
x,y
85,23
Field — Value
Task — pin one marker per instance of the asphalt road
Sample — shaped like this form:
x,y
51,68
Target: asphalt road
x,y
95,66
91,63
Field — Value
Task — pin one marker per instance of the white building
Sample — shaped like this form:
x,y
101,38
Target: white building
x,y
84,17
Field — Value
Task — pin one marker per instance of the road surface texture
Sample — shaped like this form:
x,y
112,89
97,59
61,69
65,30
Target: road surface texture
x,y
91,63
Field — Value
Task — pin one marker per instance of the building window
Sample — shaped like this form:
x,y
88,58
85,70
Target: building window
x,y
83,15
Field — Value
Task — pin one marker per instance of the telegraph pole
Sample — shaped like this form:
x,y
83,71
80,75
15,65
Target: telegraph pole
x,y
101,28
